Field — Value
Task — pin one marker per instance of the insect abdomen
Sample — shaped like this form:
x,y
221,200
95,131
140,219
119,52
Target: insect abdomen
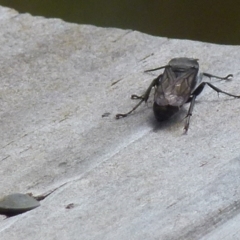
x,y
163,113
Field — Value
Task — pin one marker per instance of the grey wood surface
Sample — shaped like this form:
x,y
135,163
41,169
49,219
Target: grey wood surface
x,y
131,178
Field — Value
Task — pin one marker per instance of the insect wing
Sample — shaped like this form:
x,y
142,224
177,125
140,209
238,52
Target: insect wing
x,y
175,87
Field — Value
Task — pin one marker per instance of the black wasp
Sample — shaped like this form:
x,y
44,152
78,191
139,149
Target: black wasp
x,y
179,84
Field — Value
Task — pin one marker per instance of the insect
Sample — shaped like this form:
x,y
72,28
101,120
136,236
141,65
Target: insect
x,y
177,85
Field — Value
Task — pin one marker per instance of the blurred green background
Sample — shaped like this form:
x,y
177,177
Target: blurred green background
x,y
210,21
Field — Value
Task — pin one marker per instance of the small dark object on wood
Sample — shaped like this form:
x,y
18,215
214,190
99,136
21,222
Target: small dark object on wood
x,y
177,85
70,206
105,114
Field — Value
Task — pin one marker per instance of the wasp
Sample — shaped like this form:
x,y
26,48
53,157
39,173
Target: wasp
x,y
177,85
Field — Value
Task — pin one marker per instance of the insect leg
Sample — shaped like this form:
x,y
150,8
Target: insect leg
x,y
189,114
155,69
144,97
196,92
219,90
192,99
223,78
